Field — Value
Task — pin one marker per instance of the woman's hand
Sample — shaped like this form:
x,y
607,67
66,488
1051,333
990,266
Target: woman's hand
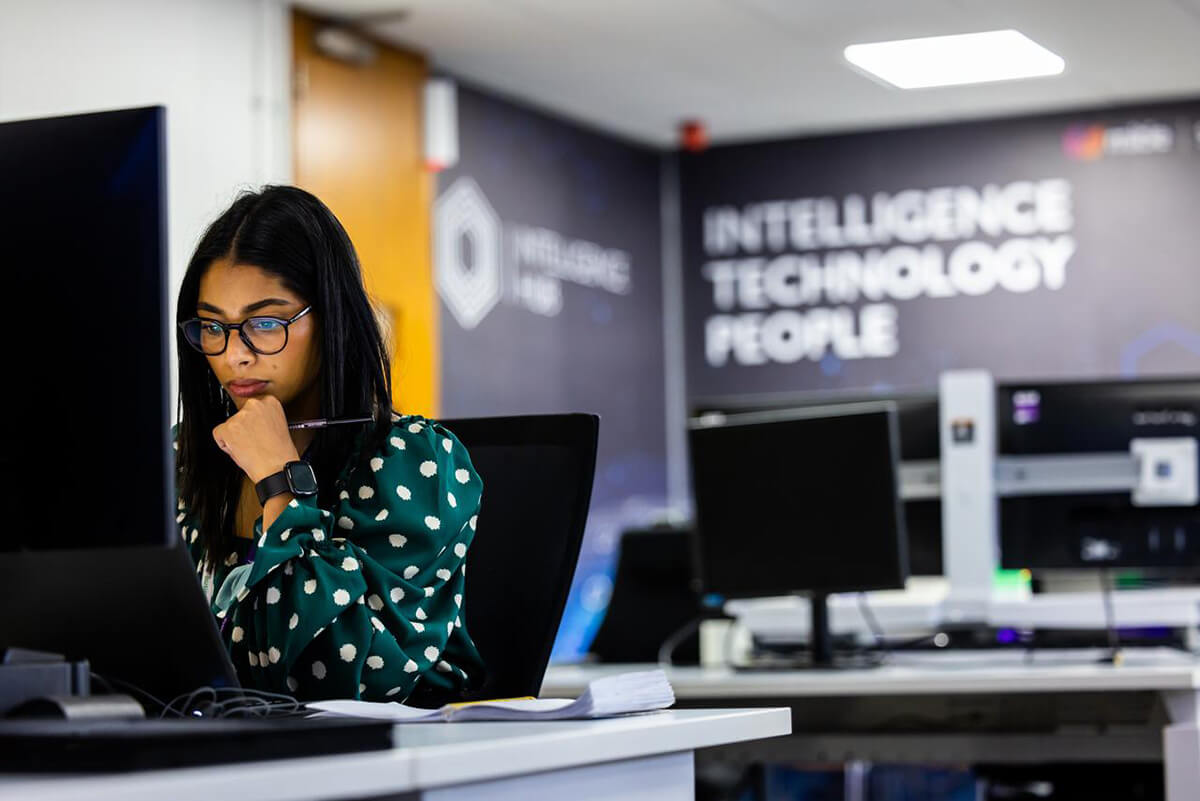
x,y
257,438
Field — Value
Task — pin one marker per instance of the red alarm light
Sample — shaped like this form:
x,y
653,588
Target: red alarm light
x,y
693,136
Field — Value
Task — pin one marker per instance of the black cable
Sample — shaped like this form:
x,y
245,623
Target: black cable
x,y
132,689
239,702
1110,623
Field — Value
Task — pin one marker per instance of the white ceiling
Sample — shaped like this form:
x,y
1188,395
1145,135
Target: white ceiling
x,y
754,69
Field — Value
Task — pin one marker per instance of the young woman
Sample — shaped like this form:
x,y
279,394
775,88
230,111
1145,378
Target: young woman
x,y
334,558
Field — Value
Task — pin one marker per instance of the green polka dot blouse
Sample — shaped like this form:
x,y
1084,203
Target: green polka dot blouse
x,y
362,600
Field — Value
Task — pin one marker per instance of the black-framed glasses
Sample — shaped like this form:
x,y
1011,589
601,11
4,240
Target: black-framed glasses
x,y
263,335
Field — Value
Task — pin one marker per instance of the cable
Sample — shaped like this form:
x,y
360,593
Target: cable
x,y
217,702
677,637
868,615
132,689
1110,624
239,702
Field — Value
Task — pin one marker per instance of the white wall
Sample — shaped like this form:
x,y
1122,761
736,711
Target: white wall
x,y
221,68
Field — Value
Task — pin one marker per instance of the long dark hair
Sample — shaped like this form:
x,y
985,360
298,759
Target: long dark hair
x,y
293,235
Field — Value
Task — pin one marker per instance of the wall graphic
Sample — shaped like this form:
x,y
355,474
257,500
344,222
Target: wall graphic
x,y
547,262
1058,246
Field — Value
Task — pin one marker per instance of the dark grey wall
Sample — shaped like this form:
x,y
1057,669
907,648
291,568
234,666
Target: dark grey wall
x,y
1085,267
547,254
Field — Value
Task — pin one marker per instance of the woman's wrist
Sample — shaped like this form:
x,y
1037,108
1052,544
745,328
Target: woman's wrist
x,y
271,468
273,508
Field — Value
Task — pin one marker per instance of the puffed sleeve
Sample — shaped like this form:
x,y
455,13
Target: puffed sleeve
x,y
363,600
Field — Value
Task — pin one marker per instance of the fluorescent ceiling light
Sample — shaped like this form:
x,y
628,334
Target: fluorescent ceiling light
x,y
953,60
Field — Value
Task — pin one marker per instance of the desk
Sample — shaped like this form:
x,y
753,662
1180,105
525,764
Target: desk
x,y
640,758
974,708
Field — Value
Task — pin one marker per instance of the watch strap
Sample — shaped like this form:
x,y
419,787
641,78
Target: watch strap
x,y
272,485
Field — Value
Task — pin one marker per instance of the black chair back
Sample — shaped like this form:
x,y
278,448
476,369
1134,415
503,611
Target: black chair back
x,y
537,475
655,594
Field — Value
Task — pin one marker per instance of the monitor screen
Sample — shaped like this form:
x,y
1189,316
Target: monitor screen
x,y
917,413
799,500
84,425
1095,529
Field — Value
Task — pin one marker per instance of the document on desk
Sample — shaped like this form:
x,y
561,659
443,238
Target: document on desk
x,y
625,693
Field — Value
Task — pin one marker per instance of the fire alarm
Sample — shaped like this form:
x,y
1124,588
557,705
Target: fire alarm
x,y
441,124
693,136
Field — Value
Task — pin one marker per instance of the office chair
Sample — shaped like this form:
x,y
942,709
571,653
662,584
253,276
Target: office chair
x,y
655,595
537,475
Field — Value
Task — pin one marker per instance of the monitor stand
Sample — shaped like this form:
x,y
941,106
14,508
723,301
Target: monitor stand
x,y
820,653
820,639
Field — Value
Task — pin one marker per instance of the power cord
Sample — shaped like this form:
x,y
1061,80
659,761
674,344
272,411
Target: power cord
x,y
137,692
233,702
864,609
667,649
1115,656
211,702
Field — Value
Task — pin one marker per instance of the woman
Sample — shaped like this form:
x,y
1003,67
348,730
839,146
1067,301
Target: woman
x,y
351,588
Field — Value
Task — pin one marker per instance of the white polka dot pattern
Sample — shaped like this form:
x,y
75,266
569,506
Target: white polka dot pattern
x,y
416,535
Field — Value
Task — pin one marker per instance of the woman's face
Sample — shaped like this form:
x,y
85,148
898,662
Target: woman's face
x,y
232,292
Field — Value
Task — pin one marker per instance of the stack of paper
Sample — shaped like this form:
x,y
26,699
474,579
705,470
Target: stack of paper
x,y
622,694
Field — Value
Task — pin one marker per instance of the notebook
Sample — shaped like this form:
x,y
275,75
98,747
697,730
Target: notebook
x,y
622,694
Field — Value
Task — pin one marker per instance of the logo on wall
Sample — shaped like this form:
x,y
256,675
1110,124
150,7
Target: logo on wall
x,y
478,260
1141,138
466,252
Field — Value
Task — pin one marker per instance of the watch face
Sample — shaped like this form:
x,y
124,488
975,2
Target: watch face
x,y
302,478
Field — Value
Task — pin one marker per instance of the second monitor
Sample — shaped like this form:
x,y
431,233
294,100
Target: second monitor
x,y
805,500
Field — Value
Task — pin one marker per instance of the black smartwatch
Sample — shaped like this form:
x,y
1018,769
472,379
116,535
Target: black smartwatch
x,y
297,478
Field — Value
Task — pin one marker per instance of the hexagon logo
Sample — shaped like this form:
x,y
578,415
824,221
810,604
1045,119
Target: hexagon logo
x,y
466,252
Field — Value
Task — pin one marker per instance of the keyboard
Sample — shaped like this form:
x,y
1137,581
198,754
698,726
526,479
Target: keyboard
x,y
57,745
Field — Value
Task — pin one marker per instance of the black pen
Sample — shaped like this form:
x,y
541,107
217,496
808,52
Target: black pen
x,y
322,423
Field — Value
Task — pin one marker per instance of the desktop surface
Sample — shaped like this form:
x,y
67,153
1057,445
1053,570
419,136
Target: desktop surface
x,y
426,755
1155,669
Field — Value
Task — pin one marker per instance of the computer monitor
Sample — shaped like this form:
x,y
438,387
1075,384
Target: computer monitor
x,y
920,449
91,565
84,460
1089,427
803,500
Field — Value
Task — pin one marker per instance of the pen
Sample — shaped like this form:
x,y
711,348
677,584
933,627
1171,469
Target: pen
x,y
322,422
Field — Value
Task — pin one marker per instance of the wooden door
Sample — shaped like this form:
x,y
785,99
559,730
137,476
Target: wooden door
x,y
357,146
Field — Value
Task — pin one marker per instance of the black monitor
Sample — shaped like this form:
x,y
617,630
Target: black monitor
x,y
83,457
803,500
1095,420
920,449
91,561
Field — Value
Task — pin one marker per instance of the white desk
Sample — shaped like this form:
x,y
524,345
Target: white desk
x,y
954,708
639,758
